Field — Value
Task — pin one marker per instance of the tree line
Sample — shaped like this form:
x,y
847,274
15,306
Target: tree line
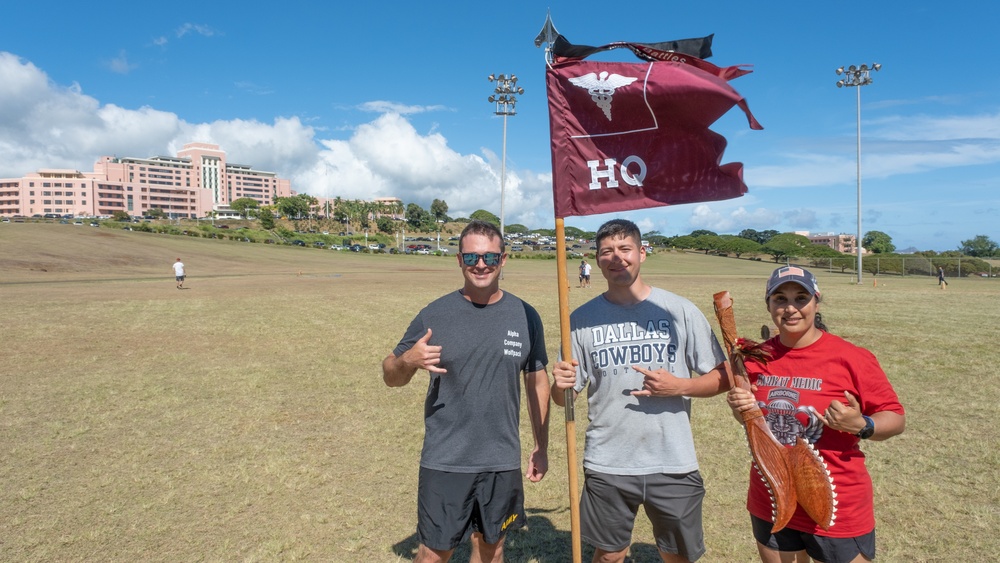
x,y
391,218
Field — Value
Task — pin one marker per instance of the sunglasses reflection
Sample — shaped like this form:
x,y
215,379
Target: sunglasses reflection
x,y
489,259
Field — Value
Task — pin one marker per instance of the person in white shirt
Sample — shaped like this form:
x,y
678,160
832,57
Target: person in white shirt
x,y
179,273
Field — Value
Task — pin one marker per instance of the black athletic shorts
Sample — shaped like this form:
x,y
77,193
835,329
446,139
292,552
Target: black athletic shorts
x,y
672,502
821,548
451,506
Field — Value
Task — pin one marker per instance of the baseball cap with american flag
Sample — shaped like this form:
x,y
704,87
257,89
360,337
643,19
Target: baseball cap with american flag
x,y
794,274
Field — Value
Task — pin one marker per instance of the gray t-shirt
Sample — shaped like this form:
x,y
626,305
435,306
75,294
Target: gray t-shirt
x,y
472,412
630,435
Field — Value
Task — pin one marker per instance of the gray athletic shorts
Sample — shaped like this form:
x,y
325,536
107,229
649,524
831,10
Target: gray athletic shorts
x,y
820,548
672,502
450,506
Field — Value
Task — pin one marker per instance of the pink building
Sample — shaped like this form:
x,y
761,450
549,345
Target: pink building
x,y
841,243
191,185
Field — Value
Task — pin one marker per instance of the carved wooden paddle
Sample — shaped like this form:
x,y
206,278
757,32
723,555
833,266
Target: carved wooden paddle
x,y
796,475
769,456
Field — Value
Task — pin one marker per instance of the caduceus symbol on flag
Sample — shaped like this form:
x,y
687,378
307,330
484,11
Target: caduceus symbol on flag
x,y
657,150
602,87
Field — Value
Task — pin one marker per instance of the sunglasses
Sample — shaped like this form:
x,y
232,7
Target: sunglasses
x,y
490,258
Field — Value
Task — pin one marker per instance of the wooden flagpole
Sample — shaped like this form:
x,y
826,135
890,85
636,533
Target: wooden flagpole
x,y
566,349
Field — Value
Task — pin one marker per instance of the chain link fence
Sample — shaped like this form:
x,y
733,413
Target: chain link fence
x,y
954,267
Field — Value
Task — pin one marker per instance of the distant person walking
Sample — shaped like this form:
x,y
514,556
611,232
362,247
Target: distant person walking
x,y
179,273
941,280
586,273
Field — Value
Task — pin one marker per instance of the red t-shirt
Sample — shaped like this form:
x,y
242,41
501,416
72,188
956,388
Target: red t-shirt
x,y
814,376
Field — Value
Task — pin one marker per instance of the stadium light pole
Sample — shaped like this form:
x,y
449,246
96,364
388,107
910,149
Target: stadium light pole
x,y
858,77
506,105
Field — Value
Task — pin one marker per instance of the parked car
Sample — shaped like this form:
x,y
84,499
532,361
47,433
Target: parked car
x,y
319,244
517,248
336,247
356,248
298,242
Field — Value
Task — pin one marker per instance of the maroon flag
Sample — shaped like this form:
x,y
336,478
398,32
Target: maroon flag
x,y
635,135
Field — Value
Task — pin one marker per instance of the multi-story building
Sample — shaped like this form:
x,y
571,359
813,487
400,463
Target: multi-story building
x,y
841,243
196,182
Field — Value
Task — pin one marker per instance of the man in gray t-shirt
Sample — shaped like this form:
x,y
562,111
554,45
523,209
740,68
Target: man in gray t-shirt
x,y
475,343
637,350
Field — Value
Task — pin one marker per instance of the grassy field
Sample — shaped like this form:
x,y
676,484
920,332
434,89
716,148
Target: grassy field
x,y
244,417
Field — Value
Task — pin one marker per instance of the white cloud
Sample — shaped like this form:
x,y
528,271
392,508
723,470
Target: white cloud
x,y
383,106
195,28
705,216
65,128
938,128
120,64
801,219
253,88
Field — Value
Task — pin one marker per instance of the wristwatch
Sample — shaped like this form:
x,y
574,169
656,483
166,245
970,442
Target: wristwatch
x,y
868,430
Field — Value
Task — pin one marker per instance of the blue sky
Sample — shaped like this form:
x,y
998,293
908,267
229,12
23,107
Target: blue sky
x,y
389,99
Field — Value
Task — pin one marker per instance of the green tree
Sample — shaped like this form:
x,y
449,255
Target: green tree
x,y
707,242
293,207
416,216
981,247
786,246
684,241
738,245
340,210
702,232
878,242
386,225
243,206
439,209
265,217
822,251
369,211
312,204
121,216
483,215
760,237
516,228
656,239
764,236
156,213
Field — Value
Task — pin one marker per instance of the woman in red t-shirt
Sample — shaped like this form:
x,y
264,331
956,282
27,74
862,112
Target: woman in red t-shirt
x,y
831,393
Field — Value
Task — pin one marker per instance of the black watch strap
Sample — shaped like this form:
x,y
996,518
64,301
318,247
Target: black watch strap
x,y
868,430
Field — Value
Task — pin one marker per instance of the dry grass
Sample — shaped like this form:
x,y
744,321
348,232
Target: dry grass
x,y
244,419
